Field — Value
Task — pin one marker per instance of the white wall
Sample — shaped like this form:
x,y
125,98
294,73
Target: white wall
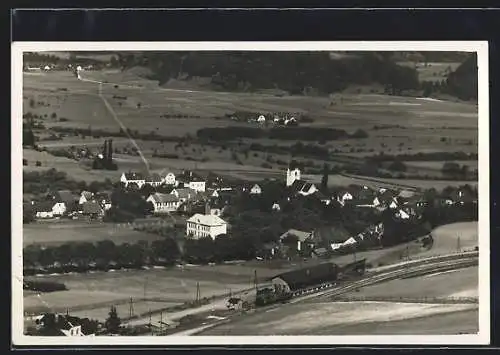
x,y
170,179
197,186
197,231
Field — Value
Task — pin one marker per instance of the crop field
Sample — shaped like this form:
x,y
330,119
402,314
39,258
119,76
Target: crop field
x,y
53,233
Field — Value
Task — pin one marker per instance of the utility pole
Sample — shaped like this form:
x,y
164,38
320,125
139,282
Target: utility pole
x,y
458,244
198,292
255,280
131,308
161,321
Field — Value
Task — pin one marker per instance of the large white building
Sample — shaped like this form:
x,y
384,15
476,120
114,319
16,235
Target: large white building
x,y
197,185
203,225
136,178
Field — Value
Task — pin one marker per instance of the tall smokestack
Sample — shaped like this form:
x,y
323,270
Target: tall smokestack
x,y
105,150
110,151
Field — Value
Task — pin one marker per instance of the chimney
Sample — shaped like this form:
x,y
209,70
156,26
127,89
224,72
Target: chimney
x,y
110,151
105,150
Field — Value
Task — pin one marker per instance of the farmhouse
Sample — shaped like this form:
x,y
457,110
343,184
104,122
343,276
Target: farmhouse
x,y
203,225
58,325
59,209
104,200
164,203
133,178
67,198
332,236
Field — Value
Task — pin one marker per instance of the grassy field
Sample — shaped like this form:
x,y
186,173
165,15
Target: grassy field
x,y
49,233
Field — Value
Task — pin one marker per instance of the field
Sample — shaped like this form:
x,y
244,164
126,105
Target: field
x,y
53,233
395,125
162,287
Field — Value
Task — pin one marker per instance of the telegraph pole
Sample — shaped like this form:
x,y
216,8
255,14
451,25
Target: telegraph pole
x,y
255,280
131,308
161,321
198,292
458,244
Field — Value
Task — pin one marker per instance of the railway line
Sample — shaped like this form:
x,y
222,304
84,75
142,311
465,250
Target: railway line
x,y
333,291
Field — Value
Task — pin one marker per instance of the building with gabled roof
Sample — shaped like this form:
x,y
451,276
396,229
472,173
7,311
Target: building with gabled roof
x,y
164,203
133,178
205,225
154,180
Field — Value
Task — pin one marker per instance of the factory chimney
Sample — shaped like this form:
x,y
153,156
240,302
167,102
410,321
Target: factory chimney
x,y
105,150
110,151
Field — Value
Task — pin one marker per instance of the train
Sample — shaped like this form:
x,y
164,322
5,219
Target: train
x,y
284,286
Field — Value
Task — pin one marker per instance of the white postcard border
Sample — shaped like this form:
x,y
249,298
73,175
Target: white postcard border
x,y
480,47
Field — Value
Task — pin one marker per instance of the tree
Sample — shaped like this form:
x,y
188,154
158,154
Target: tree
x,y
113,322
324,179
397,165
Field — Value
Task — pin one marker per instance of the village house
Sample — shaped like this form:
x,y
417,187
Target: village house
x,y
164,203
205,225
304,188
197,185
133,178
59,209
66,198
85,196
43,209
169,179
276,207
333,237
255,190
58,325
184,194
103,199
153,180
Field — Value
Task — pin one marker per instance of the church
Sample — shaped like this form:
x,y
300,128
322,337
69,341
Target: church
x,y
294,182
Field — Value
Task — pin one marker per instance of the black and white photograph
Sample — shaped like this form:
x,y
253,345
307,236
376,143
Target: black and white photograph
x,y
250,192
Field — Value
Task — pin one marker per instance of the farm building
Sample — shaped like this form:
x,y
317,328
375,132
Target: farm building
x,y
133,178
92,209
299,238
164,203
332,237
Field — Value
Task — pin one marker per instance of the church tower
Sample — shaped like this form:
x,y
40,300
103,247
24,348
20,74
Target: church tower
x,y
292,176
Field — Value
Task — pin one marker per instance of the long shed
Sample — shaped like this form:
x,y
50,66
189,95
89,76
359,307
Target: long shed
x,y
308,276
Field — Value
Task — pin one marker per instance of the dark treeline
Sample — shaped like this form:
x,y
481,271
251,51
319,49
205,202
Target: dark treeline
x,y
294,72
298,72
279,133
97,133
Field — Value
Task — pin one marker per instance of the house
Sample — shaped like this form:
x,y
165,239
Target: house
x,y
402,214
169,179
303,238
58,325
261,119
133,178
255,190
184,194
344,197
67,198
85,196
153,180
92,209
276,207
43,209
393,204
59,209
384,198
461,196
104,199
205,225
164,203
211,193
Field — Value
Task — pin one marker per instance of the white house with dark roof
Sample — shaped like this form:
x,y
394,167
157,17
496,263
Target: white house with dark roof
x,y
133,178
255,190
204,225
164,203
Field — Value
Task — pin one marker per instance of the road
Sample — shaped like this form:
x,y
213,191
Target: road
x,y
314,295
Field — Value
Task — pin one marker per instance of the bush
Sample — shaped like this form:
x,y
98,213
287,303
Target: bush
x,y
359,134
25,162
38,163
54,115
